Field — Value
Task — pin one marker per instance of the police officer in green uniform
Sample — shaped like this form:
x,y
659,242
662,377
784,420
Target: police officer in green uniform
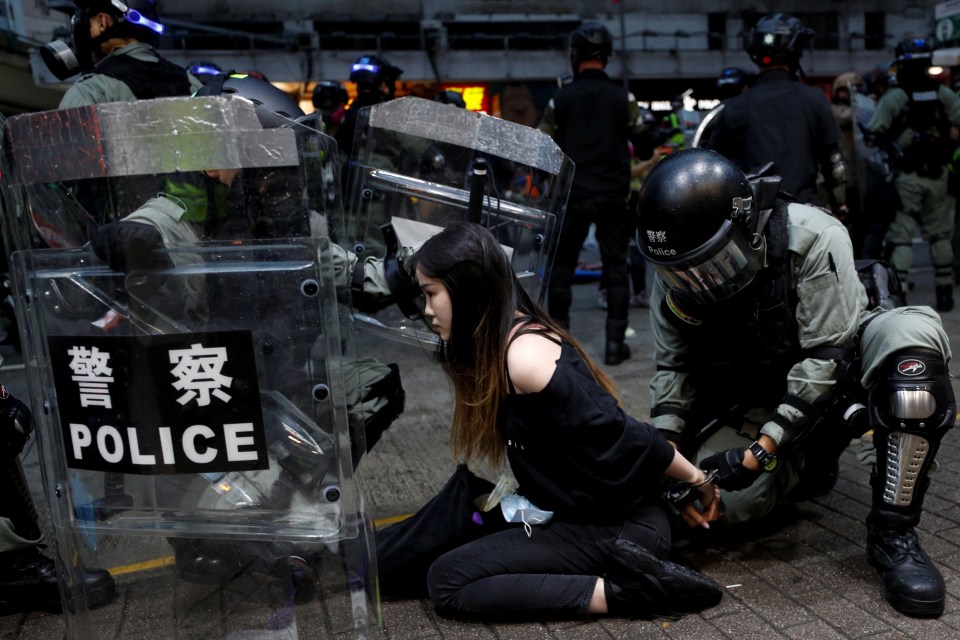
x,y
114,47
920,116
766,348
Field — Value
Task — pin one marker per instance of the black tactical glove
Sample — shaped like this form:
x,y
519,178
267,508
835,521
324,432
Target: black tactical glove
x,y
16,423
731,474
131,246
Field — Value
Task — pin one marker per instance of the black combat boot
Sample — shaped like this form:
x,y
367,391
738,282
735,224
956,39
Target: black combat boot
x,y
28,582
913,585
639,585
617,351
944,297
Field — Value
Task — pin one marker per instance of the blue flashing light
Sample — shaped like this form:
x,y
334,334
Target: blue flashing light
x,y
203,70
365,67
138,18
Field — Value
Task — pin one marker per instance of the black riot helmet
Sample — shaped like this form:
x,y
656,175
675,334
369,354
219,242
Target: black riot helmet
x,y
777,39
137,19
274,107
370,71
914,56
267,202
590,41
913,47
696,224
733,81
329,95
451,97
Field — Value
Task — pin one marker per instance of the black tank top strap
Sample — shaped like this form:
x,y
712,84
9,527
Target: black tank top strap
x,y
526,324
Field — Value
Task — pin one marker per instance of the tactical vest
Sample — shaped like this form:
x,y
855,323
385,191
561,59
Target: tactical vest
x,y
931,148
160,79
743,348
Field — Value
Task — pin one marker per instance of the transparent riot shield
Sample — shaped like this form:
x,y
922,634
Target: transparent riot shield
x,y
707,128
198,438
68,173
225,420
419,166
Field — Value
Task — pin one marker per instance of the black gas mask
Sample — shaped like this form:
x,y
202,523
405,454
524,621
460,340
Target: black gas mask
x,y
82,51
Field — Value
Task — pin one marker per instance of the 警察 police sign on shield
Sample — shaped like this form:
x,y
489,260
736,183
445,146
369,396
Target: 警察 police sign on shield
x,y
181,403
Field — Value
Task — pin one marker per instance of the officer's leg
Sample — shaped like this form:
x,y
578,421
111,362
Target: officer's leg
x,y
576,224
899,239
28,579
937,223
911,406
613,234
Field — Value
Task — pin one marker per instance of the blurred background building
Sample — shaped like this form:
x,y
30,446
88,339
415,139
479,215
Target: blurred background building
x,y
507,56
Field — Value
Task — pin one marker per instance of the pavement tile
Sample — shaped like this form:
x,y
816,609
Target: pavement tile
x,y
746,625
621,629
771,604
817,630
408,620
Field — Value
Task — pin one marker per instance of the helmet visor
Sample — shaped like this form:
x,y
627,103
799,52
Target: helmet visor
x,y
723,266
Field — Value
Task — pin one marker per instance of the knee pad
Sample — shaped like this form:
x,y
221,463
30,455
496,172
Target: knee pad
x,y
911,407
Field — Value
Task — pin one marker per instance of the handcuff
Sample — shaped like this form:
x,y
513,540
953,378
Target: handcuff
x,y
678,492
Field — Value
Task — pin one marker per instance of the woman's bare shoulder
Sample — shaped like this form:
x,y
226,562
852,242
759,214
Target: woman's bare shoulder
x,y
531,361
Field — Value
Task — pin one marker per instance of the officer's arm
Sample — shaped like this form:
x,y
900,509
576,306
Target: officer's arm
x,y
830,302
887,110
130,246
952,101
365,279
548,121
671,393
833,166
645,139
96,89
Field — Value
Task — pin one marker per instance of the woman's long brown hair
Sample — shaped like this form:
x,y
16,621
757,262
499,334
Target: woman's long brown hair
x,y
485,296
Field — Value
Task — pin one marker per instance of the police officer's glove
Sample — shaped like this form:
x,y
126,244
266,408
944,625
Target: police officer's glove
x,y
131,247
731,474
16,423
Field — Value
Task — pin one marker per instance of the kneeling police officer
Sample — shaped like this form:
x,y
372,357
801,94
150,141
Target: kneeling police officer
x,y
767,349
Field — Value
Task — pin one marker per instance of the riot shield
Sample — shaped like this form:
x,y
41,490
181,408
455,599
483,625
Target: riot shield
x,y
196,433
68,173
420,165
705,130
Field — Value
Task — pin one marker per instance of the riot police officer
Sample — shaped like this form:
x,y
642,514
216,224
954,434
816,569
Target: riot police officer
x,y
376,81
114,47
766,348
592,119
781,120
329,98
920,116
